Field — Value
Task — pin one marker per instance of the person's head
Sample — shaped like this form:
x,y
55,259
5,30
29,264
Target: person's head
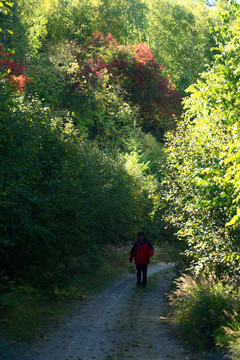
x,y
141,235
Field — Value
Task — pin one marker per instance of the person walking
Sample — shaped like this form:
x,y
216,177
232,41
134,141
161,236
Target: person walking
x,y
141,251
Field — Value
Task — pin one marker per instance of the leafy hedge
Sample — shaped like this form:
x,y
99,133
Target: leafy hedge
x,y
61,197
202,183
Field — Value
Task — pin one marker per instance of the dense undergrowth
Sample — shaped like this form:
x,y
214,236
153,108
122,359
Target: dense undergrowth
x,y
202,193
206,314
26,311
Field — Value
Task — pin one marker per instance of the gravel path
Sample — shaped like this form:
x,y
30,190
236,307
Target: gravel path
x,y
121,322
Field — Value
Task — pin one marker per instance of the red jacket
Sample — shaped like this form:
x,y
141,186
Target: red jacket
x,y
141,250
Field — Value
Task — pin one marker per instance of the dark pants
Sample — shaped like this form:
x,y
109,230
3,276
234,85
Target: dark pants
x,y
141,269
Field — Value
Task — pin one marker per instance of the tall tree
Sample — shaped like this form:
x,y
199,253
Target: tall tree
x,y
180,38
136,74
203,192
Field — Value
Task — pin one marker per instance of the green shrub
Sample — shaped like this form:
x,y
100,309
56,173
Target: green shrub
x,y
234,346
201,309
61,197
230,338
202,189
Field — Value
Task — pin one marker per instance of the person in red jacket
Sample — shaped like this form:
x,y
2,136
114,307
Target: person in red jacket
x,y
141,251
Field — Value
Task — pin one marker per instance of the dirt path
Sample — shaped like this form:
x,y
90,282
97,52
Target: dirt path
x,y
122,322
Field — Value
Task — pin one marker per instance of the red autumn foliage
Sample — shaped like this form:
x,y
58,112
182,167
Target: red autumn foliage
x,y
136,70
13,70
143,54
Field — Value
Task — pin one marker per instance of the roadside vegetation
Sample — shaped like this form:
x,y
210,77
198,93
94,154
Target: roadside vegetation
x,y
206,312
115,117
202,197
27,311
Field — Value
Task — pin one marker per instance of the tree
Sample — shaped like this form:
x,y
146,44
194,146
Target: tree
x,y
180,38
176,31
202,180
135,72
60,197
14,71
125,19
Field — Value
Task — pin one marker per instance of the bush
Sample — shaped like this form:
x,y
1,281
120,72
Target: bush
x,y
202,189
61,197
130,73
231,336
201,309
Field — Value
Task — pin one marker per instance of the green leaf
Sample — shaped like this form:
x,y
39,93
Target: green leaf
x,y
233,220
11,51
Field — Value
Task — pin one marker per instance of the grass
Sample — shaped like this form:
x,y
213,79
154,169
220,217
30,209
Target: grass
x,y
26,312
22,314
206,314
230,338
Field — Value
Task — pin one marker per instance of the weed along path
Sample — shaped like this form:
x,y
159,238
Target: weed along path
x,y
121,322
